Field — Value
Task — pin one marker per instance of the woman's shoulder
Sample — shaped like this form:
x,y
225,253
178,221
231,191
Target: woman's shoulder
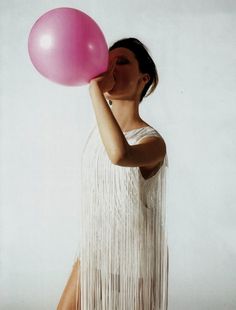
x,y
150,130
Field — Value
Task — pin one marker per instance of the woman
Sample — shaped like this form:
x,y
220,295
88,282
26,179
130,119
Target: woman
x,y
123,259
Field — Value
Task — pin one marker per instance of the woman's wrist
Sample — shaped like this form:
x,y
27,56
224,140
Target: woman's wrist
x,y
94,85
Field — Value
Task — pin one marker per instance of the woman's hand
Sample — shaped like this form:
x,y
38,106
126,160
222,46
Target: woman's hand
x,y
106,80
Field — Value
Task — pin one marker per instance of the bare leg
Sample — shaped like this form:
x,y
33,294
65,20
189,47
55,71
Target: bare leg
x,y
68,298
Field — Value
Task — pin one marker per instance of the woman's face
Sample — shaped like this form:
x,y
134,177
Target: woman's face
x,y
129,81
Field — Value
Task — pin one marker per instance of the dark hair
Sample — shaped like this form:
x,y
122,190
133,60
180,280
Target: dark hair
x,y
146,64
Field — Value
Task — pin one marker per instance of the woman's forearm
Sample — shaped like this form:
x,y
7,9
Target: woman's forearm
x,y
110,132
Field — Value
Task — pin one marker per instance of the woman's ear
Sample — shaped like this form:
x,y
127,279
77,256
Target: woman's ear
x,y
146,77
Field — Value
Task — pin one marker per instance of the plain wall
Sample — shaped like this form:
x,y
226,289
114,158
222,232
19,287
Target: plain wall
x,y
43,127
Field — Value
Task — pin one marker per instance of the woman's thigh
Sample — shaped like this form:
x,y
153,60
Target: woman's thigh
x,y
68,298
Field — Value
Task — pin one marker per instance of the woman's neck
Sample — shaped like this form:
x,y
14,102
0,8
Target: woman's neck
x,y
127,114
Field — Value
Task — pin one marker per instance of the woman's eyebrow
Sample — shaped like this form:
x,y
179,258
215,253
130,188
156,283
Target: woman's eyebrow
x,y
122,56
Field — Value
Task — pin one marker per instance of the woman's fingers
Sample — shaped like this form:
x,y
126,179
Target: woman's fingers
x,y
112,65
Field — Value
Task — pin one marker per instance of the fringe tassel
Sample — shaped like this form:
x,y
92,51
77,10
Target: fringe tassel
x,y
123,252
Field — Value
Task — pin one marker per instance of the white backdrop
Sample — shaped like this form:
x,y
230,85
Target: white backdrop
x,y
44,126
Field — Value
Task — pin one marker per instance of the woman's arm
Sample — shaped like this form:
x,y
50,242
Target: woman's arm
x,y
112,136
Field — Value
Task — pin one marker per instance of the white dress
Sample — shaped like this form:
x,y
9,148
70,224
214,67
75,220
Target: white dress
x,y
123,248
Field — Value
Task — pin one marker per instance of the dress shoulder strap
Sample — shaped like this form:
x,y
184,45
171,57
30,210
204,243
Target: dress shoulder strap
x,y
145,132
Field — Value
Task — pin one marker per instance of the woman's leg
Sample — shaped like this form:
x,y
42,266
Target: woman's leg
x,y
68,298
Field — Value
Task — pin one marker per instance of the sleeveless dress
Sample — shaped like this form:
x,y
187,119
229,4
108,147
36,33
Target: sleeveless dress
x,y
123,248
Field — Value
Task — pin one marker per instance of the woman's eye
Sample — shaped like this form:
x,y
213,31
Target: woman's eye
x,y
122,61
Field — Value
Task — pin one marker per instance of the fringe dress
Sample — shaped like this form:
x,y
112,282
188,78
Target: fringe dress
x,y
123,240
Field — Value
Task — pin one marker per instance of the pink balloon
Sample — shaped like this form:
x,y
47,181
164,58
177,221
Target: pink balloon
x,y
67,46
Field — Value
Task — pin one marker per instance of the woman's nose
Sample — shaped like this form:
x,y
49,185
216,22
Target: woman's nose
x,y
111,61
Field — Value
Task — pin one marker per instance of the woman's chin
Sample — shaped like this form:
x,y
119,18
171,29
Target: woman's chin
x,y
111,90
113,93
